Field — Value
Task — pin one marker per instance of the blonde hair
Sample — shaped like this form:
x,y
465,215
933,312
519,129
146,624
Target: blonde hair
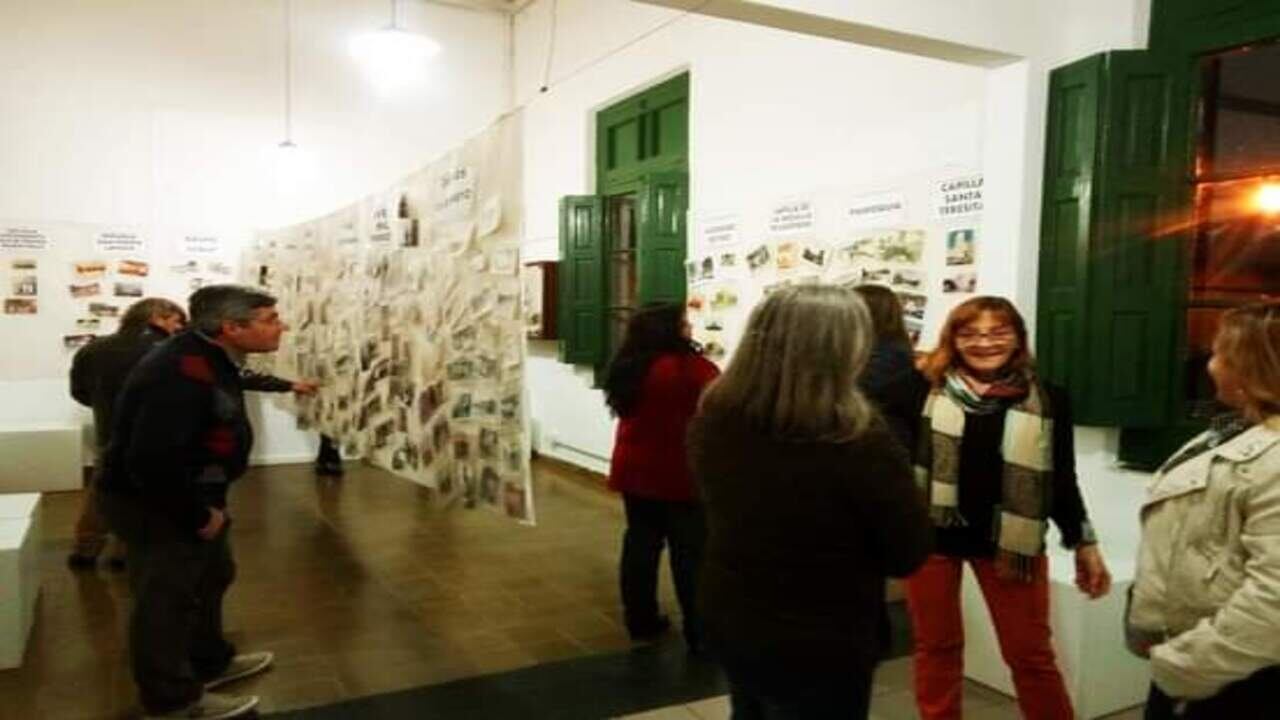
x,y
1248,342
795,373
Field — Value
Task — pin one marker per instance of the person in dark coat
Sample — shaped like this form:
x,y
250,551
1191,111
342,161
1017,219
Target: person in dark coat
x,y
653,385
98,371
180,438
890,379
810,505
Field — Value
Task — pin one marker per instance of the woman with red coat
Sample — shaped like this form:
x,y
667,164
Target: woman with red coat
x,y
653,386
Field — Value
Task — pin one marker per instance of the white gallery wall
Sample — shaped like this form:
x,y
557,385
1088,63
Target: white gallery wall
x,y
164,114
774,113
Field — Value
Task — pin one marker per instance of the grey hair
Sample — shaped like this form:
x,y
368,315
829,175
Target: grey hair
x,y
795,374
213,305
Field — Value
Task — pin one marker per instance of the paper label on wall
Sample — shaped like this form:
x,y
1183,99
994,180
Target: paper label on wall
x,y
119,241
878,210
199,244
455,193
23,239
382,217
793,217
958,196
721,229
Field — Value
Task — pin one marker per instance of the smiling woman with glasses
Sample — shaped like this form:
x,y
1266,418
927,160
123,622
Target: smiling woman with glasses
x,y
994,453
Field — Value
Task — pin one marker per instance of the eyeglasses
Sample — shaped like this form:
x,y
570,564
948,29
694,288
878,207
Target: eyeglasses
x,y
999,336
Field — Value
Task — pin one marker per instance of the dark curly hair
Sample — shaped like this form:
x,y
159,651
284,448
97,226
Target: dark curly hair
x,y
655,329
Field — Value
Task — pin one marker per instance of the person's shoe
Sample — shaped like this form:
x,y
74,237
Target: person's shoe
x,y
77,561
644,632
241,667
212,706
329,468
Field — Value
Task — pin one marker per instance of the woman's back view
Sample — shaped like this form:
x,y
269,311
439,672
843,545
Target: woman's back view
x,y
810,505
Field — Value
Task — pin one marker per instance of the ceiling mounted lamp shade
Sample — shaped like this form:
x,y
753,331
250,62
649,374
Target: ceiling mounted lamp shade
x,y
393,58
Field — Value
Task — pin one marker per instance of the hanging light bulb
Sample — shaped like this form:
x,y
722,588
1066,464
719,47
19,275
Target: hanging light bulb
x,y
291,165
393,58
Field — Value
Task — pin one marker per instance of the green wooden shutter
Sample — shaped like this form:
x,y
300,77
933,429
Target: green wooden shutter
x,y
663,205
1113,226
1139,237
1066,221
581,280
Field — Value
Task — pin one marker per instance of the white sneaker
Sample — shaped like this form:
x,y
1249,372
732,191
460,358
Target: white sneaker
x,y
242,666
212,706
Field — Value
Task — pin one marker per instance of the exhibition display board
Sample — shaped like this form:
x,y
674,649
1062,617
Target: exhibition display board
x,y
406,308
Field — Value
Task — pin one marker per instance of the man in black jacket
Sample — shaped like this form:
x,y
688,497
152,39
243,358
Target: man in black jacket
x,y
98,371
181,437
97,374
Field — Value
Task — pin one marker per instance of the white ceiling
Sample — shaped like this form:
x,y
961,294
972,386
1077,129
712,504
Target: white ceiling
x,y
509,7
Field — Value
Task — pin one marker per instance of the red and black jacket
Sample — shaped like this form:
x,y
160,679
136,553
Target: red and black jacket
x,y
181,435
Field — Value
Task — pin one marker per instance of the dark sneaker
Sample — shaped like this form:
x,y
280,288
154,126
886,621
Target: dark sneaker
x,y
329,468
212,706
651,630
241,667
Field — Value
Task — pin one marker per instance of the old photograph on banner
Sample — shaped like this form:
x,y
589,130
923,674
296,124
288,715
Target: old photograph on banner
x,y
406,308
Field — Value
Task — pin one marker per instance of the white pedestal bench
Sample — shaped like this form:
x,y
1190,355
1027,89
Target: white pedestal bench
x,y
40,457
19,573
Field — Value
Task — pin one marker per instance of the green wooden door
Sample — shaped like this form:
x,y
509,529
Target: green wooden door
x,y
1112,235
581,280
1143,216
1066,222
664,204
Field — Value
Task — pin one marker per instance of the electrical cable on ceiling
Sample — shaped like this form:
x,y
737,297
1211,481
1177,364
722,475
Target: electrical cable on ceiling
x,y
547,84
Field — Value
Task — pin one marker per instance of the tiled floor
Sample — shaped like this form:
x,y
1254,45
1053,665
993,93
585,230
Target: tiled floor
x,y
362,586
891,700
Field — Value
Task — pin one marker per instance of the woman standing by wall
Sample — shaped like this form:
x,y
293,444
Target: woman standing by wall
x,y
653,386
997,457
810,505
1204,602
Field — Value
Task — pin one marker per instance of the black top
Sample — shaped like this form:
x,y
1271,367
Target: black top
x,y
801,536
181,435
980,473
99,369
890,367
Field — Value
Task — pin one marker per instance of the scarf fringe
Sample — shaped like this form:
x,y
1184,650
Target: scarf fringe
x,y
947,517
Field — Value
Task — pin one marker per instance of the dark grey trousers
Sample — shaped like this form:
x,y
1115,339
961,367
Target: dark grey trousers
x,y
178,582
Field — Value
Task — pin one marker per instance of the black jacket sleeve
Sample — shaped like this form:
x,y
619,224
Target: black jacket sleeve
x,y
82,376
262,382
165,434
1067,510
892,509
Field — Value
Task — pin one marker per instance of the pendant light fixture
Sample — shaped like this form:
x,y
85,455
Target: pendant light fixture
x,y
393,58
289,161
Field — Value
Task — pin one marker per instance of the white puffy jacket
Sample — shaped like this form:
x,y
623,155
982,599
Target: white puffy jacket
x,y
1205,601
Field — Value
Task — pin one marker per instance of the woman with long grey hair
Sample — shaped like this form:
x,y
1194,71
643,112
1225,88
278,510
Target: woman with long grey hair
x,y
810,504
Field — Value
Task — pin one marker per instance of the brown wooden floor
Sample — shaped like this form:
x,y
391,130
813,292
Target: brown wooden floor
x,y
360,586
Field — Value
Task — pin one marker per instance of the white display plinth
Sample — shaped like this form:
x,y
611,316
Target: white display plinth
x,y
1102,676
40,458
19,573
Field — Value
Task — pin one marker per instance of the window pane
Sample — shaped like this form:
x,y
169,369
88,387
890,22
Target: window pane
x,y
1241,112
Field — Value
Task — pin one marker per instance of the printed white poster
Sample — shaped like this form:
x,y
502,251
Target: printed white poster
x,y
199,244
719,229
119,241
878,210
958,196
23,239
792,217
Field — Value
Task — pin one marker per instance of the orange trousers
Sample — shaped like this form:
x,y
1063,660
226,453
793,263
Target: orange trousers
x,y
1020,612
